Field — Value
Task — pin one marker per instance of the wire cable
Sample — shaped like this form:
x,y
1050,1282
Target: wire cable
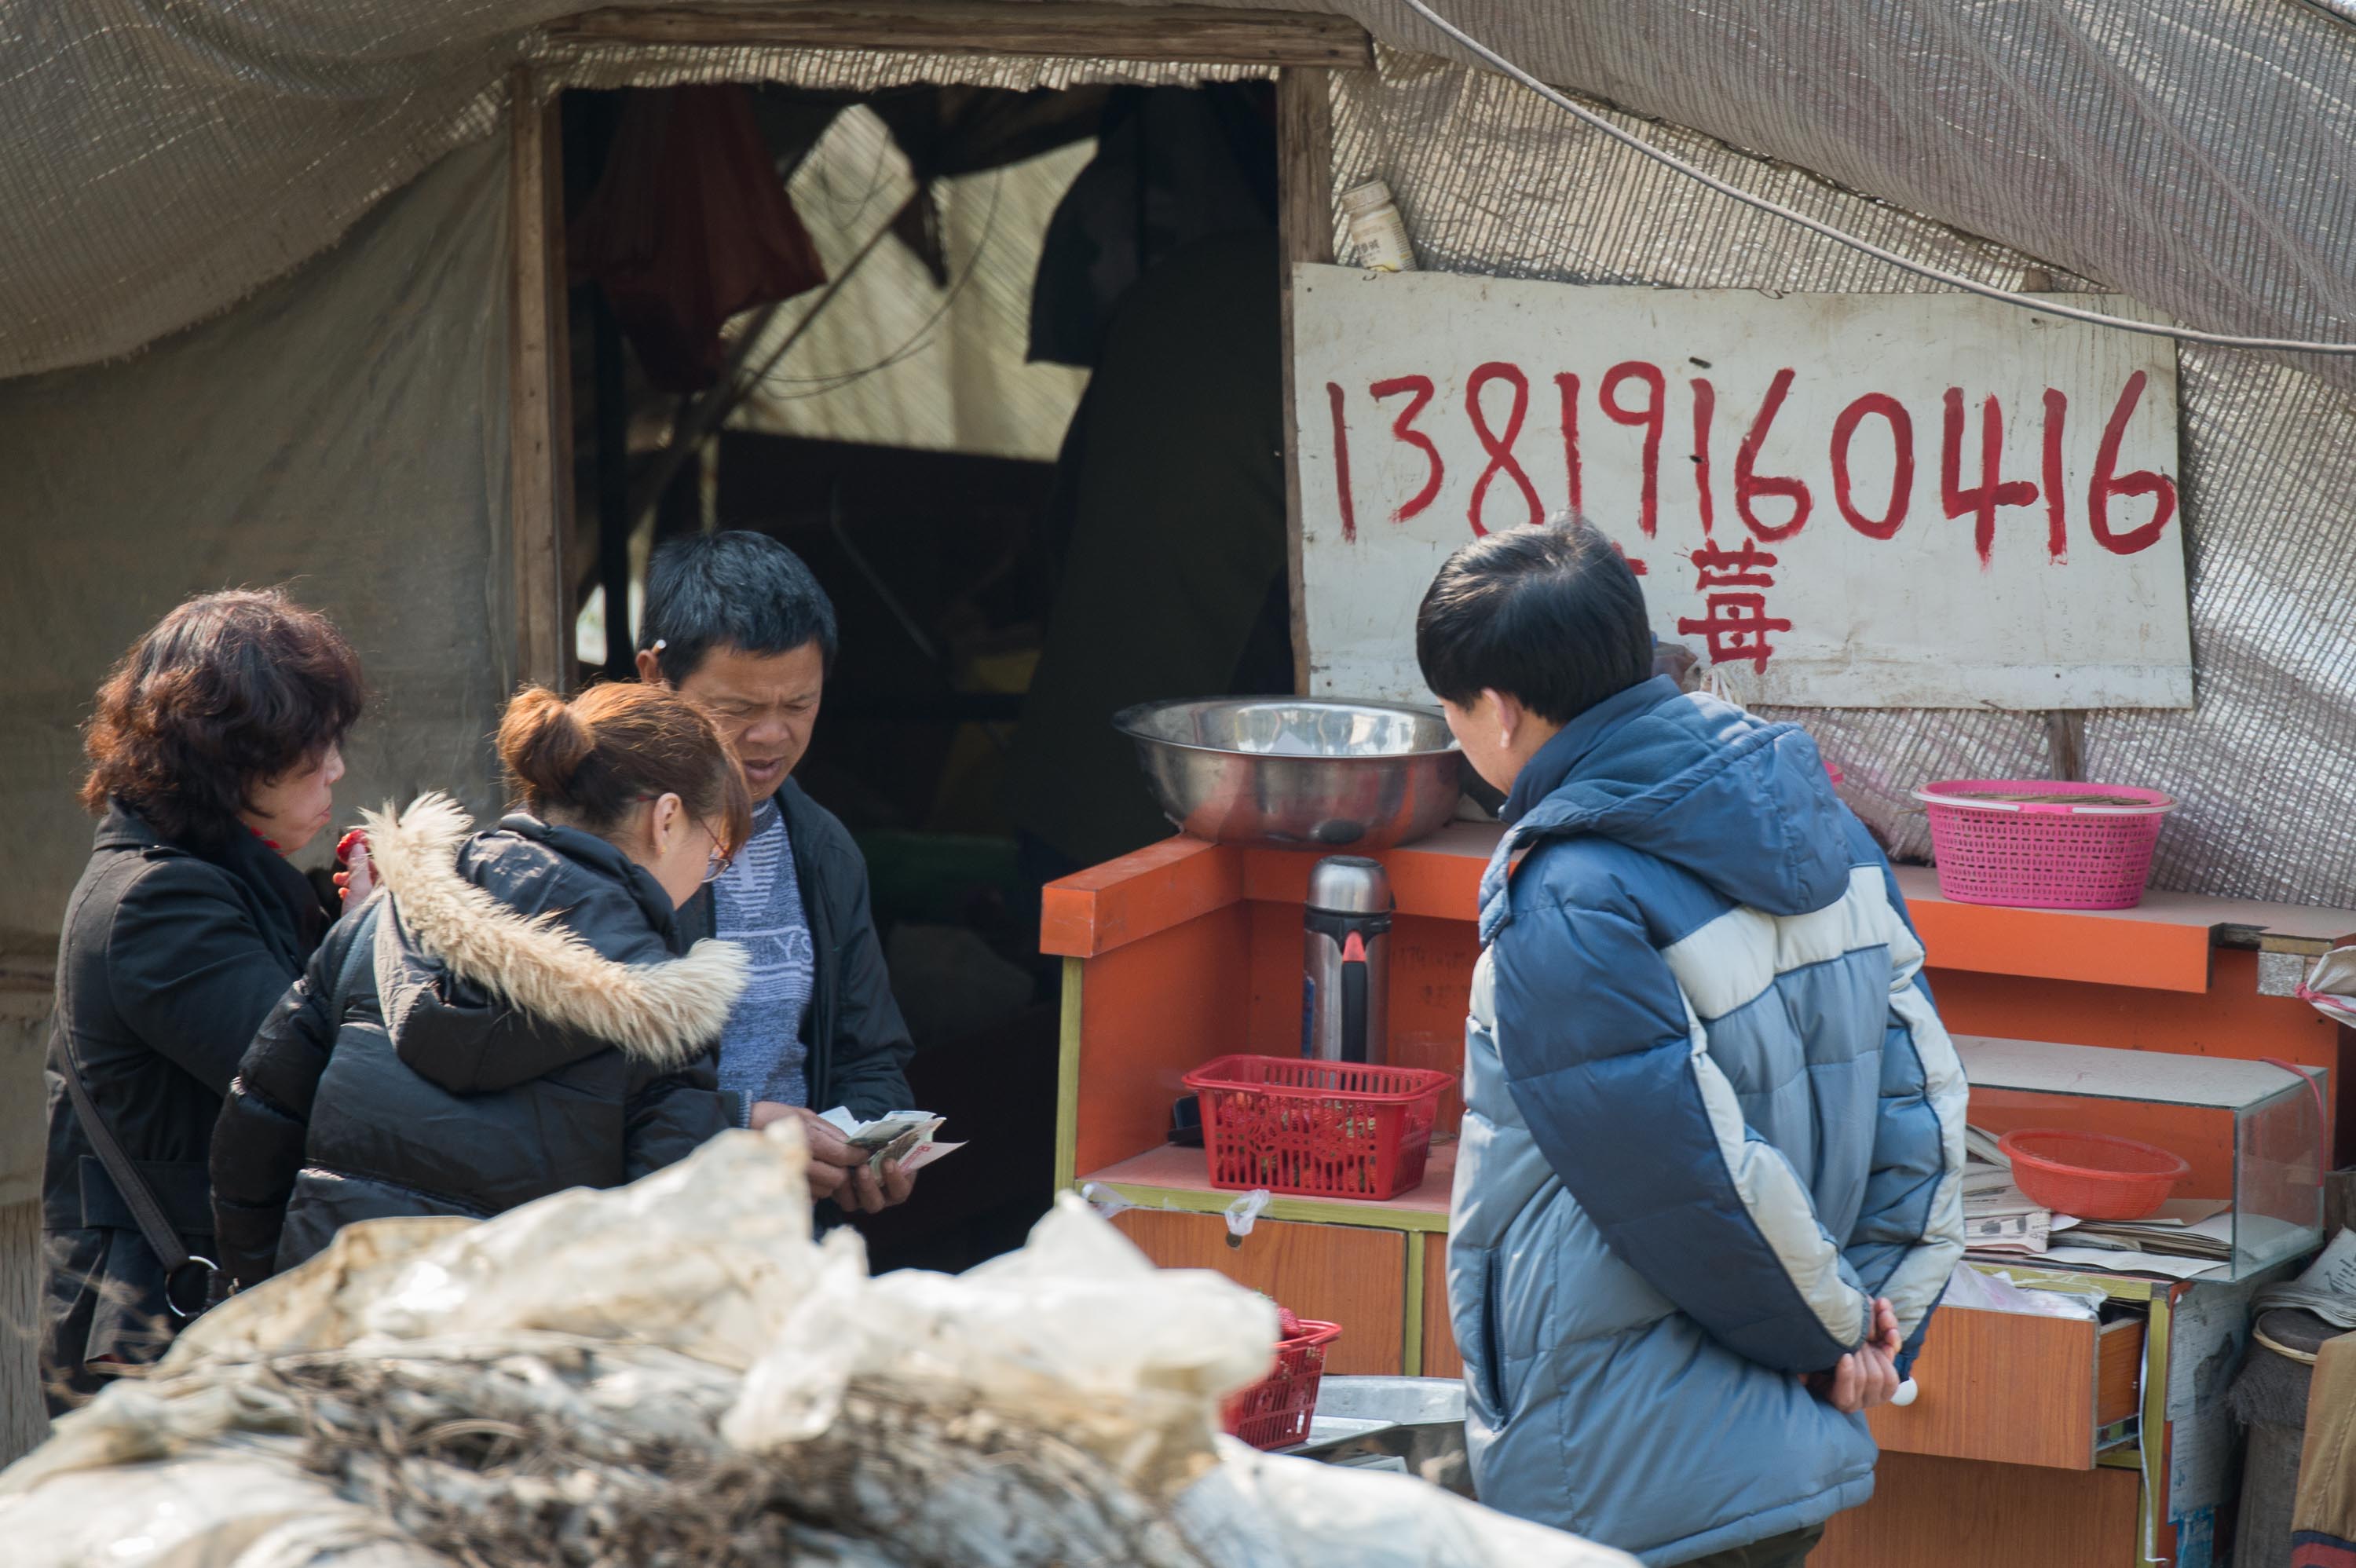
x,y
1817,226
916,343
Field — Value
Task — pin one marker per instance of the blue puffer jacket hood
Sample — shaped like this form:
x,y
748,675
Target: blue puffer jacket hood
x,y
1711,1112
1744,806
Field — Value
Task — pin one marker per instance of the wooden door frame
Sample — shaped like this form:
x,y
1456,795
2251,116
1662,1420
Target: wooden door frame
x,y
540,388
1300,46
1304,199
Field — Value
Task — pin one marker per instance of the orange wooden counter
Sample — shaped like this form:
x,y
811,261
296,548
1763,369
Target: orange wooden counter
x,y
1186,951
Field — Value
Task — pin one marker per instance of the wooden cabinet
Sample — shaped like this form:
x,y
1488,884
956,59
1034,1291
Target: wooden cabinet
x,y
2015,1388
1342,1273
1946,1513
1188,950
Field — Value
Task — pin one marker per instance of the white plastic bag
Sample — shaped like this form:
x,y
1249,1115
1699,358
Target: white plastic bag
x,y
707,1258
224,1513
2330,987
1076,1316
1969,1288
1266,1511
674,1370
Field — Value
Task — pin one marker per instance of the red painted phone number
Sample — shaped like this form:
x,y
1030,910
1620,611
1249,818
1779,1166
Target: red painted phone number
x,y
1634,394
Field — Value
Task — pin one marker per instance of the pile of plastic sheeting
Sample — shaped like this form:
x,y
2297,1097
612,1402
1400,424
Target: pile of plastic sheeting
x,y
674,1373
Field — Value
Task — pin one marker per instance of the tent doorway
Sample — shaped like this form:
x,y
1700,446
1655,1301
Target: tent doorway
x,y
950,415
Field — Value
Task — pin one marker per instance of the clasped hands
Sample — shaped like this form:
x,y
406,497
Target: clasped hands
x,y
1866,1376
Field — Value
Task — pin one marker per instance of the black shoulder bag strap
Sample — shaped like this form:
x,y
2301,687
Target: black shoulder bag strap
x,y
186,1277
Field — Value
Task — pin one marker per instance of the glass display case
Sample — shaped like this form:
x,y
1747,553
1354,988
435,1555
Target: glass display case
x,y
2252,1131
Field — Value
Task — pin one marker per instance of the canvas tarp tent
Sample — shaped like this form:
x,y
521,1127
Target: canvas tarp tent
x,y
163,163
294,220
2203,162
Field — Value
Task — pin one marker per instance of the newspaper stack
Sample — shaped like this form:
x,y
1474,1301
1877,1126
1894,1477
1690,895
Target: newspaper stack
x,y
2184,1228
1998,1217
2328,1288
2185,1239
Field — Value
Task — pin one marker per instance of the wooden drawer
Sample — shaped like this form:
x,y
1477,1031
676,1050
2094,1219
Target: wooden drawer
x,y
1350,1274
2119,1372
2017,1390
1947,1513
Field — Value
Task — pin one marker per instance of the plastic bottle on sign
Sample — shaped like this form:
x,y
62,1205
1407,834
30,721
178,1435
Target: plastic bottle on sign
x,y
1376,229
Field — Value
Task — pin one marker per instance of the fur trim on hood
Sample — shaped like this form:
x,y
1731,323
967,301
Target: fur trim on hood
x,y
662,1014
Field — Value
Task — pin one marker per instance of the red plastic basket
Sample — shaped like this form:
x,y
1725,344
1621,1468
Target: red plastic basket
x,y
2091,1175
1318,1129
1274,1412
2042,854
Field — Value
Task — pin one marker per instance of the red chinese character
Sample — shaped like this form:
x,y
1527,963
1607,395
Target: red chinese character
x,y
1744,568
1736,629
1635,567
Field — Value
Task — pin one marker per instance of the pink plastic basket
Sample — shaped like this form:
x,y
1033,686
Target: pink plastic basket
x,y
2043,854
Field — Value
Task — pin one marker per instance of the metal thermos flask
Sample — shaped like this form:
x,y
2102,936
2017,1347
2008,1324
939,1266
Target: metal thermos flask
x,y
1347,928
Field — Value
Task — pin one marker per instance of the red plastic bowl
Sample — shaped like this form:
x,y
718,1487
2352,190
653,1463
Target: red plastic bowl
x,y
2091,1175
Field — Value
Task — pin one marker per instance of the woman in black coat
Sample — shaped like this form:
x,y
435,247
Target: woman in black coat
x,y
214,753
509,1016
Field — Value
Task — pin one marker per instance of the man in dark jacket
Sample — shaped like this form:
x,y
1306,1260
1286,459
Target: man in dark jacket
x,y
737,622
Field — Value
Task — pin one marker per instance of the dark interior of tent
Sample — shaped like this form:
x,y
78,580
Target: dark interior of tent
x,y
700,306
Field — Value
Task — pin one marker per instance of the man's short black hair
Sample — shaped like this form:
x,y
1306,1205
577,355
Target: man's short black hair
x,y
735,589
1551,616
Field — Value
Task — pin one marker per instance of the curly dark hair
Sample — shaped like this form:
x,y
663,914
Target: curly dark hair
x,y
228,691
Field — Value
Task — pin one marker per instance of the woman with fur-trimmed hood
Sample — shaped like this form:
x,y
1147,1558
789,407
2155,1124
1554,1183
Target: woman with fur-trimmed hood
x,y
510,1015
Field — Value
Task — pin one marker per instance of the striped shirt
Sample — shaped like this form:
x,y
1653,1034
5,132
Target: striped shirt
x,y
757,903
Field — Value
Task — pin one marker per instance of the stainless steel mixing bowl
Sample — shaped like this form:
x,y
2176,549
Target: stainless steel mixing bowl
x,y
1293,773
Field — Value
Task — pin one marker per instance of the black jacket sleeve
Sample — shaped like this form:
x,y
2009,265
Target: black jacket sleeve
x,y
258,1142
872,1047
191,975
669,1118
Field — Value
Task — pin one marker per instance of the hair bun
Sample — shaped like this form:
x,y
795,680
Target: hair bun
x,y
543,742
589,760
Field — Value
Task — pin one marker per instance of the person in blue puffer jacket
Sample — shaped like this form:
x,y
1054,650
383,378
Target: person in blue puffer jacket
x,y
1707,1195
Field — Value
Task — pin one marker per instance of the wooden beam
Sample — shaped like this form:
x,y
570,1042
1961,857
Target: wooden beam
x,y
540,431
1183,35
1145,892
1304,199
2065,744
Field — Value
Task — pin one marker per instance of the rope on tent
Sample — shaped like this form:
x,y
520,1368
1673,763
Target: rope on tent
x,y
2043,307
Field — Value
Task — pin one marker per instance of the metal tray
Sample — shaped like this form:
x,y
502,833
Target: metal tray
x,y
1415,1424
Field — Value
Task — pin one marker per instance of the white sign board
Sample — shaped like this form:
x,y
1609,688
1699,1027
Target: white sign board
x,y
1835,500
